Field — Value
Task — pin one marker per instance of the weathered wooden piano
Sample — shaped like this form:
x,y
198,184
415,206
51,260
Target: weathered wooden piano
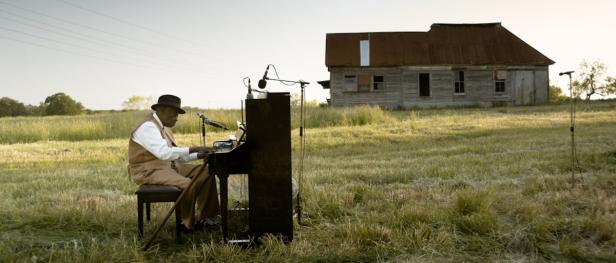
x,y
265,156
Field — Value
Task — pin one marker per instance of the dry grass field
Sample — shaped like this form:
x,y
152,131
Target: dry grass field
x,y
432,185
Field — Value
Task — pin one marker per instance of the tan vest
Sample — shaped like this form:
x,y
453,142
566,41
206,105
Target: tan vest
x,y
140,159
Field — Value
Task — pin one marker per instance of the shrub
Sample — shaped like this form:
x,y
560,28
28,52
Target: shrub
x,y
556,95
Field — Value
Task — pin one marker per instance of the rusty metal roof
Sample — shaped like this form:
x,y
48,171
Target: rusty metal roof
x,y
444,44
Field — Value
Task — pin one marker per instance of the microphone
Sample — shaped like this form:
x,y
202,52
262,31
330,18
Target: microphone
x,y
249,94
263,81
566,73
210,122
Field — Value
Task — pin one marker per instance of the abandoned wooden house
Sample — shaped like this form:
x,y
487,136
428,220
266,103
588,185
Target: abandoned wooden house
x,y
450,65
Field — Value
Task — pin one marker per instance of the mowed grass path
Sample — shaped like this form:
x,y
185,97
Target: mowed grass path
x,y
427,185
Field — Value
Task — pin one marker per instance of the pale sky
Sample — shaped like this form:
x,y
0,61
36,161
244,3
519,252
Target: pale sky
x,y
100,52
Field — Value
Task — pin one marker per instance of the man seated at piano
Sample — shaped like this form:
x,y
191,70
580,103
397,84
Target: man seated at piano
x,y
155,158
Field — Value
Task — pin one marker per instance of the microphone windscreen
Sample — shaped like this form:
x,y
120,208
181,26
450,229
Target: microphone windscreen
x,y
262,83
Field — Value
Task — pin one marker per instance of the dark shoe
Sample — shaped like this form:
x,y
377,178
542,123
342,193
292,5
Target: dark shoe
x,y
205,224
186,230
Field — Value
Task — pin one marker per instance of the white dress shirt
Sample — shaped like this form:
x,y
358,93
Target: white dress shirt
x,y
149,137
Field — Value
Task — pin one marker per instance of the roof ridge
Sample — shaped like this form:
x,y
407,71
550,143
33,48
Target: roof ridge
x,y
494,24
378,32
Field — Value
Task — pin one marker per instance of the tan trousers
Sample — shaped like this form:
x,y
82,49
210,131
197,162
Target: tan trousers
x,y
203,191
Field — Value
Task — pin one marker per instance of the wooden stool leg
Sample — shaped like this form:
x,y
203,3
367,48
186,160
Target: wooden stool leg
x,y
140,216
147,211
149,197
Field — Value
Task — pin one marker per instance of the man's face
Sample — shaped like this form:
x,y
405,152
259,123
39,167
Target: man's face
x,y
168,115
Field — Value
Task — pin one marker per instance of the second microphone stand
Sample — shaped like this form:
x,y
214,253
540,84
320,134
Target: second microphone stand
x,y
302,142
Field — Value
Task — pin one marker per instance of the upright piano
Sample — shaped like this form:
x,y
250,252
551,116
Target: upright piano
x,y
265,156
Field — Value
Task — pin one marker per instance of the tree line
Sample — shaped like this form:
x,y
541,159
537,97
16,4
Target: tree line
x,y
590,79
62,104
56,104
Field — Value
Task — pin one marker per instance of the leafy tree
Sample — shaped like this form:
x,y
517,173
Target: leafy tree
x,y
11,107
62,104
137,103
610,86
36,110
593,80
556,94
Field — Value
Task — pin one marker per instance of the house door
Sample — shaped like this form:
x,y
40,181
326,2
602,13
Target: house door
x,y
524,88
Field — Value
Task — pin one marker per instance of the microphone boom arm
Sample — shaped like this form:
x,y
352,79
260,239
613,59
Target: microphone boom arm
x,y
301,82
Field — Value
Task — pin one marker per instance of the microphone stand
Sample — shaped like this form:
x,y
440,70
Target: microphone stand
x,y
572,99
202,131
302,142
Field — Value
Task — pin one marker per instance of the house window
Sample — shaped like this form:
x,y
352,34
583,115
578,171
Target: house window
x,y
350,83
499,80
499,85
424,84
459,82
364,53
378,82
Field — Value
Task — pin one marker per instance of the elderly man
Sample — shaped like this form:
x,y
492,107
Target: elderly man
x,y
155,158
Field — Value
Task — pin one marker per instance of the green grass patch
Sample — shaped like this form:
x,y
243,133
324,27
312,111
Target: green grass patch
x,y
438,185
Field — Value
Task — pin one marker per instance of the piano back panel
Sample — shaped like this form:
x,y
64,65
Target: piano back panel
x,y
269,179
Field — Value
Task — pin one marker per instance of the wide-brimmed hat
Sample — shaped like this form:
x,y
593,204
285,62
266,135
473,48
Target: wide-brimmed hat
x,y
170,101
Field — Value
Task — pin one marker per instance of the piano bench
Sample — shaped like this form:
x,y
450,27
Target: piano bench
x,y
147,194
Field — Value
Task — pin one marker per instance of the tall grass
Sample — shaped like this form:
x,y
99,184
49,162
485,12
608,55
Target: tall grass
x,y
93,127
69,128
111,125
120,124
